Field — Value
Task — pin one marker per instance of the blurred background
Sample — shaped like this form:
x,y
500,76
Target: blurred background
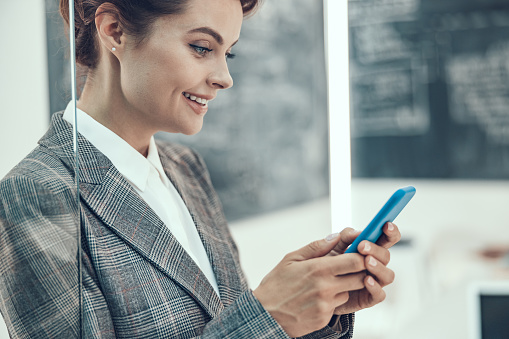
x,y
429,85
428,89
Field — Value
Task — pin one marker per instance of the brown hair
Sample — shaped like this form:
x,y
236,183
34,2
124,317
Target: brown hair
x,y
135,16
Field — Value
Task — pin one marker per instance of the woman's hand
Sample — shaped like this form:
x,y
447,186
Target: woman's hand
x,y
312,284
376,258
303,291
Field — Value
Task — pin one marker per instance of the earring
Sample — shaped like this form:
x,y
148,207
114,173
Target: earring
x,y
113,49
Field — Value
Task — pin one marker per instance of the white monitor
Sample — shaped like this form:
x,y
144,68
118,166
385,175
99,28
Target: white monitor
x,y
489,310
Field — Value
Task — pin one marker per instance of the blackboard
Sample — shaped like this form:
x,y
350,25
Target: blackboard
x,y
265,140
430,88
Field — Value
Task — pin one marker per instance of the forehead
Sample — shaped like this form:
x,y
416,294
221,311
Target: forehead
x,y
223,16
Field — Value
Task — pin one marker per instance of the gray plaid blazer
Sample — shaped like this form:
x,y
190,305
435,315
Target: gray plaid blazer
x,y
135,278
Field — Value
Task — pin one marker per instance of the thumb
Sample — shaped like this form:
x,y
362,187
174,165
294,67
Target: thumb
x,y
317,248
347,236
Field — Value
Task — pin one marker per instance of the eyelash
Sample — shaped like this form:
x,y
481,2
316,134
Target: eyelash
x,y
202,51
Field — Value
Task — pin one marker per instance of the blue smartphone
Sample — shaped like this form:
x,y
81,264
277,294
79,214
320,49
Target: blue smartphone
x,y
387,213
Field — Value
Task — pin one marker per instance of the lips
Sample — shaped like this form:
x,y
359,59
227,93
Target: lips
x,y
198,108
198,99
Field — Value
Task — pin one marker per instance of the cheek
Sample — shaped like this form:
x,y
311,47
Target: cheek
x,y
155,79
146,84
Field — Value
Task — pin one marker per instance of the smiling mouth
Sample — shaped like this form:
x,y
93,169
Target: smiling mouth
x,y
196,99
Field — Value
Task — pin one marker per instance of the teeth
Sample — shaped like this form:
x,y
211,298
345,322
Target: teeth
x,y
195,98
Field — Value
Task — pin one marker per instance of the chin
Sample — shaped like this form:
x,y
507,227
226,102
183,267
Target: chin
x,y
182,126
191,130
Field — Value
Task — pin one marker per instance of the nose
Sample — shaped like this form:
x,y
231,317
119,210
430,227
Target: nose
x,y
220,78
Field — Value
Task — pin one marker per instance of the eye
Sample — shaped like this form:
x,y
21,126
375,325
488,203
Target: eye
x,y
230,56
200,49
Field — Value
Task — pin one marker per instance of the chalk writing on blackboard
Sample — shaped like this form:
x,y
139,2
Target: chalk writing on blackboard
x,y
441,64
485,101
387,71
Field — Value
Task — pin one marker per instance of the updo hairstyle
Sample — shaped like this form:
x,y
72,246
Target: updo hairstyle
x,y
135,17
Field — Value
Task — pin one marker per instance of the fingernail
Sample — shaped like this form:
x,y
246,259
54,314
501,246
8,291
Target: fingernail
x,y
332,236
371,281
390,226
367,247
372,261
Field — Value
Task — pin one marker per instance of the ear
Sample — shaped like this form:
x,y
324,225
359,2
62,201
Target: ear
x,y
109,30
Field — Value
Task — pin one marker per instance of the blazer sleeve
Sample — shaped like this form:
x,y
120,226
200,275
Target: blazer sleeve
x,y
246,318
39,294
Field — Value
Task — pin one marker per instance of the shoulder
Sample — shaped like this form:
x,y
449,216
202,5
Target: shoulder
x,y
176,152
40,168
51,162
38,206
181,155
189,164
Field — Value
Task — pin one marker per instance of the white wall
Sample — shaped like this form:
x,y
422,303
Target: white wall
x,y
23,82
24,103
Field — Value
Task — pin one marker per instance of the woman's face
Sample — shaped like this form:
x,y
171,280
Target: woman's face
x,y
167,80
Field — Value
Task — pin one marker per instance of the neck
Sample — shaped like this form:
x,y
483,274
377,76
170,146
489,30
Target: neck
x,y
103,100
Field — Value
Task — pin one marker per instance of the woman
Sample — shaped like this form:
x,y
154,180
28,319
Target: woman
x,y
158,259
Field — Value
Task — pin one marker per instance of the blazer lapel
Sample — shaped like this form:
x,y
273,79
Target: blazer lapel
x,y
115,202
129,216
217,244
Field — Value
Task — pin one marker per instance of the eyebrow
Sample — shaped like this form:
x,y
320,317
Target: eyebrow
x,y
212,33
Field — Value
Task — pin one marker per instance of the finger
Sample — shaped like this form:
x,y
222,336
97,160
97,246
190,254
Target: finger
x,y
390,235
341,298
376,293
345,263
315,249
379,271
350,282
380,253
346,237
